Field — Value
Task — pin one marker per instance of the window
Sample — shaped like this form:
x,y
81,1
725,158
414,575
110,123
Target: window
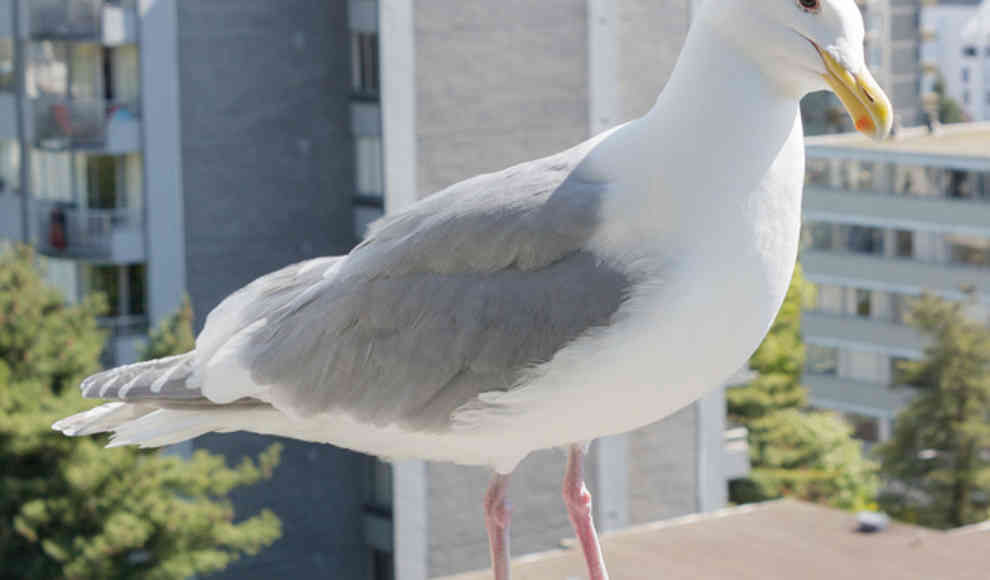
x,y
863,303
865,428
829,298
969,50
904,240
379,484
965,74
123,287
381,565
862,240
822,360
965,97
818,236
7,78
364,63
368,159
968,250
10,166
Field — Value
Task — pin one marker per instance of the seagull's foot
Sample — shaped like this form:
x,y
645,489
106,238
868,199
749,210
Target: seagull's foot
x,y
577,498
497,517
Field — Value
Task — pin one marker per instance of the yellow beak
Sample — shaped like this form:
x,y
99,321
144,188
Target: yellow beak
x,y
865,101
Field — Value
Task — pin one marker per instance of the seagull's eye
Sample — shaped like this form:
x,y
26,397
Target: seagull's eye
x,y
809,5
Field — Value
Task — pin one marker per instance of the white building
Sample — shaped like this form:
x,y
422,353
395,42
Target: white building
x,y
953,50
885,222
942,46
976,64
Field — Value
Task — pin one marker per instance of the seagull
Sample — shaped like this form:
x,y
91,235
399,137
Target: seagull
x,y
580,295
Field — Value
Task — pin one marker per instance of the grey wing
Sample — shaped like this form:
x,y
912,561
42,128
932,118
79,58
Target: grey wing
x,y
457,297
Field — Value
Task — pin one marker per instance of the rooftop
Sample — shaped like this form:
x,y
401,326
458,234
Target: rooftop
x,y
959,140
774,540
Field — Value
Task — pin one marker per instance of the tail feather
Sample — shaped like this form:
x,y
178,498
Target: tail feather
x,y
158,403
164,378
102,418
163,427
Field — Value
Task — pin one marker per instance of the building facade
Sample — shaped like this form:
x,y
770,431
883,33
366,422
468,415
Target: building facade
x,y
943,51
155,148
976,64
885,222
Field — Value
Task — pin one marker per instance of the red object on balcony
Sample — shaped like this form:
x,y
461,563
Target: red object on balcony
x,y
63,118
56,229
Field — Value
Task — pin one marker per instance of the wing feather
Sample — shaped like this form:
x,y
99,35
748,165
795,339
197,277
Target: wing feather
x,y
456,297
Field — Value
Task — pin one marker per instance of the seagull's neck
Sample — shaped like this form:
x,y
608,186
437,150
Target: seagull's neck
x,y
719,103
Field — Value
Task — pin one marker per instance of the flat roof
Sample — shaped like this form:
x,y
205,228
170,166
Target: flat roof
x,y
966,140
782,540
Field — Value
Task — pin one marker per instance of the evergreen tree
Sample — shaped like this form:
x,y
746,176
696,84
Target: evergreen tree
x,y
73,510
938,460
173,336
793,452
949,111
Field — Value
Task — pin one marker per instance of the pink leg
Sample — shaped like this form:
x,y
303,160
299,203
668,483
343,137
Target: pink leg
x,y
497,522
578,502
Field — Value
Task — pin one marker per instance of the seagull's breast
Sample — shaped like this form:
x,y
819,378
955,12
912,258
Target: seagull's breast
x,y
709,279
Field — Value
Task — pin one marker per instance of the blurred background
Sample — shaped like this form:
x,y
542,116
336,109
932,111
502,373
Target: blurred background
x,y
157,155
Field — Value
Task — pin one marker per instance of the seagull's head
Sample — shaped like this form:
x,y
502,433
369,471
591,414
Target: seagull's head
x,y
810,45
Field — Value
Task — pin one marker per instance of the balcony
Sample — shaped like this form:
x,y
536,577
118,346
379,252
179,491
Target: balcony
x,y
735,453
107,22
66,19
893,274
873,209
862,334
96,125
120,22
111,235
854,396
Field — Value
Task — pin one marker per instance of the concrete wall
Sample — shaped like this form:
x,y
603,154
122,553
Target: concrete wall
x,y
267,155
650,35
498,82
663,468
267,175
458,541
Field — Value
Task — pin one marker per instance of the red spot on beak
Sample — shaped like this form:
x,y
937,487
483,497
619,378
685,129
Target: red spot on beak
x,y
864,124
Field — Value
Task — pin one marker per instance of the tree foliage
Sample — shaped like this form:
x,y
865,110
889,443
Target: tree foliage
x,y
69,508
810,455
173,336
938,460
949,111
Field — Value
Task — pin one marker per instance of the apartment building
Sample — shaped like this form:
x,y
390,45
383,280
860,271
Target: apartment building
x,y
155,147
885,222
976,64
942,51
892,48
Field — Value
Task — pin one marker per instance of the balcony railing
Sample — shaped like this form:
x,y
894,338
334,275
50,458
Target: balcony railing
x,y
83,233
66,19
125,325
61,123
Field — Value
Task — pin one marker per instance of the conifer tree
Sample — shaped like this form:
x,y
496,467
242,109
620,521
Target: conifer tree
x,y
71,509
810,455
938,460
173,336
